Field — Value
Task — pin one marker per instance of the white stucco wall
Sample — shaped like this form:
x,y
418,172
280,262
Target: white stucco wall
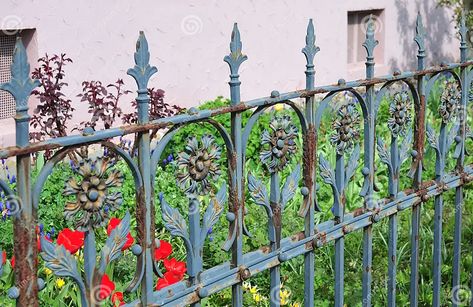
x,y
188,40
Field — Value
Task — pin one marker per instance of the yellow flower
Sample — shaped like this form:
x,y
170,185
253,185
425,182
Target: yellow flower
x,y
246,285
257,297
47,271
279,107
284,294
60,283
253,290
296,304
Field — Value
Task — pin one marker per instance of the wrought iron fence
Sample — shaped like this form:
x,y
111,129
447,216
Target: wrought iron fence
x,y
95,200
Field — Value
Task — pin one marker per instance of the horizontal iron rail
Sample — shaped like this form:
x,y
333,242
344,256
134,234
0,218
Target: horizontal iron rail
x,y
221,277
96,136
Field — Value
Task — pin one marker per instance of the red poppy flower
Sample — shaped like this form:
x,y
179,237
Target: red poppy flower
x,y
111,226
71,240
117,299
4,257
12,262
106,287
163,251
178,268
168,279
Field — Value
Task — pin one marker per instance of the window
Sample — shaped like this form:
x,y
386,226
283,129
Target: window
x,y
357,21
7,103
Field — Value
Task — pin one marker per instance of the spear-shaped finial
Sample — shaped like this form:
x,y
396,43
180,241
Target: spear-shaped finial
x,y
420,35
463,30
142,71
235,58
370,43
20,85
310,48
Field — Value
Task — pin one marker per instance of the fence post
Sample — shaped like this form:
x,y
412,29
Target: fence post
x,y
368,169
465,89
142,72
418,154
234,60
310,144
25,216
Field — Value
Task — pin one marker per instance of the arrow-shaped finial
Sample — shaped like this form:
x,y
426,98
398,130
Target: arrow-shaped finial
x,y
20,85
235,58
370,42
463,30
310,48
420,35
142,71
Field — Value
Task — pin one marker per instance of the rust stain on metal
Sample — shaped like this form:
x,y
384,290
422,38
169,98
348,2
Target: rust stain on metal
x,y
322,237
309,158
140,217
298,236
265,249
276,208
26,256
358,212
419,137
244,273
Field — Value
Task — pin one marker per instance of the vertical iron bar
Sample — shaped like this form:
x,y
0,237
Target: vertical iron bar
x,y
465,89
195,259
142,72
25,216
339,212
368,170
393,221
310,144
438,216
275,272
419,134
234,60
90,259
392,254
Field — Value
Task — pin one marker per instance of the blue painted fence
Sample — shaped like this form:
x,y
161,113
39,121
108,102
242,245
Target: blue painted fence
x,y
411,135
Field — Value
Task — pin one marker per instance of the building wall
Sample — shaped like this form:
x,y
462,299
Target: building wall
x,y
188,40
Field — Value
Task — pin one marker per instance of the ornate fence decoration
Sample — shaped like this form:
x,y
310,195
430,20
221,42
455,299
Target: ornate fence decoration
x,y
94,185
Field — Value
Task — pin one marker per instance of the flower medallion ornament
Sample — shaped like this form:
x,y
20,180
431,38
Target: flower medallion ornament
x,y
280,143
346,128
449,101
94,200
197,164
400,114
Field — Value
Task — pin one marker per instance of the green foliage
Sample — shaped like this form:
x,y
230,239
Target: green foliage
x,y
458,7
52,204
